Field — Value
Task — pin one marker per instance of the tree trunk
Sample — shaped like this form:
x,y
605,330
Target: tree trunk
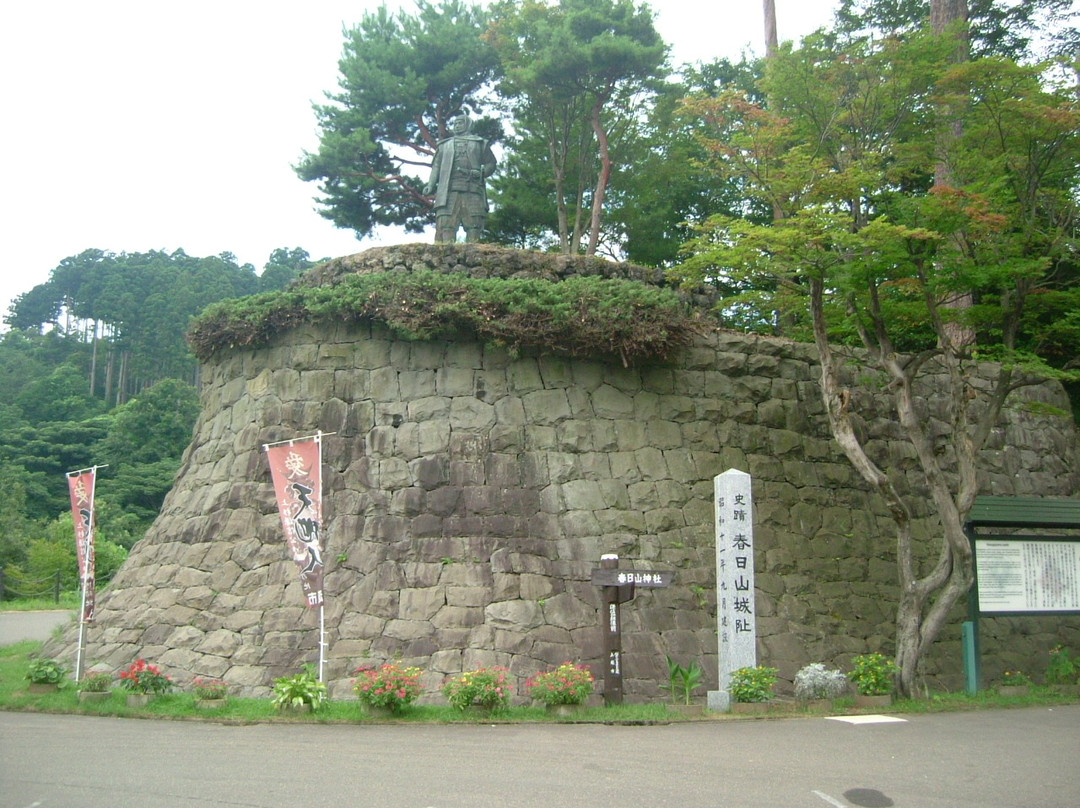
x,y
121,379
93,358
603,178
771,41
943,14
110,366
926,601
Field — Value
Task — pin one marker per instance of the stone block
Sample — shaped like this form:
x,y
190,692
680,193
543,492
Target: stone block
x,y
222,643
184,637
546,407
420,604
566,611
518,615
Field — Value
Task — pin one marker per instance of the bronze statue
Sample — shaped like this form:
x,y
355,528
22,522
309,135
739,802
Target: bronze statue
x,y
462,163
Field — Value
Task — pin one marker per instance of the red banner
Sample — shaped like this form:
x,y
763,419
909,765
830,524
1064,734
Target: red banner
x,y
296,468
81,491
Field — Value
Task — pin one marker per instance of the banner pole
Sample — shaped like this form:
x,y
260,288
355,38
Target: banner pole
x,y
322,639
82,626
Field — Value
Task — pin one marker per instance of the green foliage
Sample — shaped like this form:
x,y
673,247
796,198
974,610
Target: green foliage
x,y
95,682
881,224
135,307
1015,679
55,552
580,316
484,687
283,267
209,689
873,674
291,692
154,425
1062,669
682,680
45,671
142,677
752,685
391,686
62,396
996,27
575,73
567,684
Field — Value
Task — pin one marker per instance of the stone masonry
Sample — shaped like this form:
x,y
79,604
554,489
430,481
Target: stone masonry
x,y
469,493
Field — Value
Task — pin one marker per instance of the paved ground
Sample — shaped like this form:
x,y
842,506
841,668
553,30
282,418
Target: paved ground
x,y
993,759
18,626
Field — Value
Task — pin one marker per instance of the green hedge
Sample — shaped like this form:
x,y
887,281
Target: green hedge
x,y
579,316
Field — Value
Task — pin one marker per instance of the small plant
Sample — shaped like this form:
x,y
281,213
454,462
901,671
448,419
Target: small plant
x,y
485,687
45,672
293,692
752,685
142,677
209,689
1015,679
95,682
390,686
873,674
815,681
567,684
1062,669
682,680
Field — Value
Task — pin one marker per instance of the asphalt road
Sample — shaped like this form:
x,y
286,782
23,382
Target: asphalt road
x,y
993,759
18,626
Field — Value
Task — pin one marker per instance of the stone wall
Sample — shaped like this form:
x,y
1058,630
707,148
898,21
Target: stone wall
x,y
469,493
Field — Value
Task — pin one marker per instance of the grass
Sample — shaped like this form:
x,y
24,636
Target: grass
x,y
181,706
68,600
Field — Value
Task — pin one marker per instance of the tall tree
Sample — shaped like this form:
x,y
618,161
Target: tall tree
x,y
575,67
1023,31
868,254
402,78
140,303
283,267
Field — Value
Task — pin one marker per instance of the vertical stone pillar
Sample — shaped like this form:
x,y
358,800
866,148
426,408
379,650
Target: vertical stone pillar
x,y
736,612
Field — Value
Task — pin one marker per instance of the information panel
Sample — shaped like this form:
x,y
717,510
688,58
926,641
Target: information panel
x,y
1027,576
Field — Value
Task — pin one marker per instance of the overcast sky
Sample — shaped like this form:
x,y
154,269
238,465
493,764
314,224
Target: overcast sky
x,y
136,126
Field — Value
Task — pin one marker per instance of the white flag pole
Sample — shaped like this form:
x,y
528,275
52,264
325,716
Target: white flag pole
x,y
322,640
82,626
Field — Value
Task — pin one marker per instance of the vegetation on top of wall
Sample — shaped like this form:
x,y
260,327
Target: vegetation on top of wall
x,y
578,316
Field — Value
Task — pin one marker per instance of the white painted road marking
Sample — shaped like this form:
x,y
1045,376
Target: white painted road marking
x,y
867,719
830,800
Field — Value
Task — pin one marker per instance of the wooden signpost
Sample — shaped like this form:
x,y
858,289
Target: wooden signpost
x,y
618,588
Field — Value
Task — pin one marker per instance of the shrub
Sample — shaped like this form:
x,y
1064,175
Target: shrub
x,y
485,687
1015,679
752,684
45,672
390,686
142,677
97,682
1062,669
296,691
815,681
567,684
873,674
208,689
682,680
